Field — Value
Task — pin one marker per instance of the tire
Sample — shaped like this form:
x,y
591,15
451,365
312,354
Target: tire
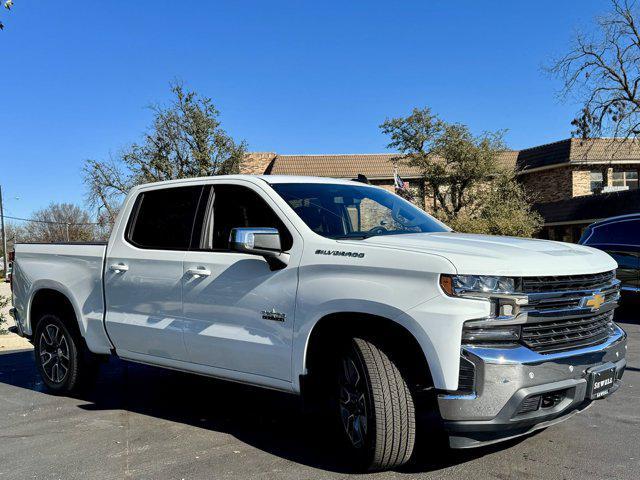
x,y
61,357
375,407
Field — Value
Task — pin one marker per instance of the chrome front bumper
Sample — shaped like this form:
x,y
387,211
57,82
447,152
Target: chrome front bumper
x,y
505,378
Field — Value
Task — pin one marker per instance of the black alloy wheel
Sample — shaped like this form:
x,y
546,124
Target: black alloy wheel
x,y
61,356
375,407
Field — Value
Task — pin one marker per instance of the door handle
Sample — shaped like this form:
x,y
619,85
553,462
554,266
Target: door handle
x,y
118,267
199,272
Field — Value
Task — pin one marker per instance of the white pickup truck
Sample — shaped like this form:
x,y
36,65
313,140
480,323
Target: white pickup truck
x,y
335,289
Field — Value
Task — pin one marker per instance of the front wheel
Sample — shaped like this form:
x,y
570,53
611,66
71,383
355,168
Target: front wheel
x,y
60,356
375,407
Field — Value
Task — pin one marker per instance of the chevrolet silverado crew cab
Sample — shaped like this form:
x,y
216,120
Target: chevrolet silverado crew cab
x,y
335,289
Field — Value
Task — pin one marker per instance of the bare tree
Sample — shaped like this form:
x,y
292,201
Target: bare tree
x,y
8,4
15,234
60,222
602,71
185,140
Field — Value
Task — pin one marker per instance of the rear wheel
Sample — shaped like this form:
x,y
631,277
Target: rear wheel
x,y
375,407
61,358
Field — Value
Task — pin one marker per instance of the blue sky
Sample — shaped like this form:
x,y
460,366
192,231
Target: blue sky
x,y
289,77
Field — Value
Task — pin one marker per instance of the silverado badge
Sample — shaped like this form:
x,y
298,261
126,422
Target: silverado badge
x,y
273,315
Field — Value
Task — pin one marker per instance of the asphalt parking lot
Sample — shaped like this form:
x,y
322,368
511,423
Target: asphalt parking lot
x,y
143,422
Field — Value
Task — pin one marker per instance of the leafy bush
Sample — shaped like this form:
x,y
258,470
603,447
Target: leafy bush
x,y
4,302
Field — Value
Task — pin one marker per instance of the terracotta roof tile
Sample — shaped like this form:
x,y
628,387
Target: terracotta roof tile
x,y
578,150
373,165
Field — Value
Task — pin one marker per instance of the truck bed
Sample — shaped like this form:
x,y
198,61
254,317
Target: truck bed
x,y
72,269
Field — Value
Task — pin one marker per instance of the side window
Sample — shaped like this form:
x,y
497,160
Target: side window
x,y
629,232
624,232
596,181
163,219
234,206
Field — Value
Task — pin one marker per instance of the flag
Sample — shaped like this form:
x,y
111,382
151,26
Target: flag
x,y
397,180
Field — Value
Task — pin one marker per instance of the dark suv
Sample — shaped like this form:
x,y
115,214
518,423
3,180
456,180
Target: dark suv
x,y
620,238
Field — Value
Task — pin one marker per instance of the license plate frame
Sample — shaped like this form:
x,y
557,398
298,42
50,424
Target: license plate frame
x,y
601,381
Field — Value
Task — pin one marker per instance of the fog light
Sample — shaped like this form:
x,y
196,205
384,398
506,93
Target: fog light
x,y
550,400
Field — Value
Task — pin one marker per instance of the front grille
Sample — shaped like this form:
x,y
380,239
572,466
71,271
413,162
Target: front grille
x,y
560,313
557,336
567,282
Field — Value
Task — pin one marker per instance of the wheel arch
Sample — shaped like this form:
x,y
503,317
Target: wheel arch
x,y
54,301
397,339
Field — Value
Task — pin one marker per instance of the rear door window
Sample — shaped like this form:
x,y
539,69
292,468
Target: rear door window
x,y
163,219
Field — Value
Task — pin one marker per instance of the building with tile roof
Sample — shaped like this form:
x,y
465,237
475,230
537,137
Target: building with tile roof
x,y
558,176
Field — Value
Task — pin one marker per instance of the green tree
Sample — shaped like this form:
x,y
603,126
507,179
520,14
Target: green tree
x,y
15,233
471,190
502,208
185,140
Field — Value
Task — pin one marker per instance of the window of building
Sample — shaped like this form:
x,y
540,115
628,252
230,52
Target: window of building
x,y
597,181
163,219
627,178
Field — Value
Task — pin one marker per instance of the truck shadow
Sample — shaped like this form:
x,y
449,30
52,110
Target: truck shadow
x,y
273,422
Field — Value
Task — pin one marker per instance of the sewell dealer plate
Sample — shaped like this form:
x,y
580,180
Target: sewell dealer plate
x,y
601,380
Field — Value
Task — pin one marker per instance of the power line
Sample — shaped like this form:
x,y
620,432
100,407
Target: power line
x,y
49,221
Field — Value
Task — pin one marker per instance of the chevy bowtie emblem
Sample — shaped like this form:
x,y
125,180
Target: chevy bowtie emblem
x,y
595,301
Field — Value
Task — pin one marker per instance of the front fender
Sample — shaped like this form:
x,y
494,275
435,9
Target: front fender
x,y
436,325
350,307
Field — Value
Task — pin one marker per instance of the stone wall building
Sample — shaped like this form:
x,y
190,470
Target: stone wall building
x,y
573,182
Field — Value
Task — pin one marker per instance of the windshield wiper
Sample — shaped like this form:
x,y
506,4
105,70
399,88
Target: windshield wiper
x,y
358,236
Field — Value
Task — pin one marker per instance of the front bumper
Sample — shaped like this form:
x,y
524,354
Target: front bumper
x,y
507,378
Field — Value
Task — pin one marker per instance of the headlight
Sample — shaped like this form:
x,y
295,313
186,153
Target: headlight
x,y
508,333
477,285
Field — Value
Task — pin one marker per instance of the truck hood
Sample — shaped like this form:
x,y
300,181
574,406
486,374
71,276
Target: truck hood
x,y
495,255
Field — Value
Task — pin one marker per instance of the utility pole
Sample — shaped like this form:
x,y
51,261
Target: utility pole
x,y
4,236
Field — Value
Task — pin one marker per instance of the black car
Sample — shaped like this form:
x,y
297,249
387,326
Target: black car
x,y
620,238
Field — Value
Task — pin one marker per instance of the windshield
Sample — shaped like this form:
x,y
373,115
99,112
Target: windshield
x,y
355,211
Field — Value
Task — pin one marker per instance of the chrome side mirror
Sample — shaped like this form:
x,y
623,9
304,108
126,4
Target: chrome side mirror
x,y
260,241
